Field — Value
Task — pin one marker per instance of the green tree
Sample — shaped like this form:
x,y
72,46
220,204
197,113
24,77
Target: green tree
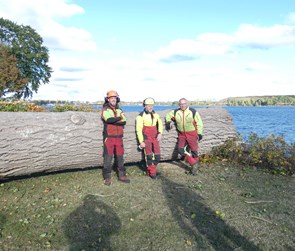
x,y
10,77
31,56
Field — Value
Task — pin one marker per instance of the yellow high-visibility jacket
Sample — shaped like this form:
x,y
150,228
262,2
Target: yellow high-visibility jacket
x,y
147,120
186,121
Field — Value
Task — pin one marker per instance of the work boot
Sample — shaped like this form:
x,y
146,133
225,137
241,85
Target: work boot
x,y
194,169
107,181
194,172
152,171
124,179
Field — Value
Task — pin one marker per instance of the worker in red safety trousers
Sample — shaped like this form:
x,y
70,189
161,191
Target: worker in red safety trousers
x,y
114,120
149,129
189,126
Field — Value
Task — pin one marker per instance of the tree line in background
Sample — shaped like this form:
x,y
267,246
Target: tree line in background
x,y
278,100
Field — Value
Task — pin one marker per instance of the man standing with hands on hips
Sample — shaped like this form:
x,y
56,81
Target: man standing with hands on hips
x,y
113,120
189,126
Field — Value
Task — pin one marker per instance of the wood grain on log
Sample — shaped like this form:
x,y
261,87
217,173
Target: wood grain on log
x,y
47,142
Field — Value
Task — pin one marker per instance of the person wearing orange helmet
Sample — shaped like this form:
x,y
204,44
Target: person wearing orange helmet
x,y
149,129
114,121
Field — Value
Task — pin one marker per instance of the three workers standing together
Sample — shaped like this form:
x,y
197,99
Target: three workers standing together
x,y
149,130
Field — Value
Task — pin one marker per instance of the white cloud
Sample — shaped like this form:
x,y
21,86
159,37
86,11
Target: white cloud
x,y
291,17
28,10
69,38
256,66
265,37
43,15
247,35
191,49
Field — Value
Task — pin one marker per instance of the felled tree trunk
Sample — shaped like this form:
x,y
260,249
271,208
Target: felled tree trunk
x,y
47,142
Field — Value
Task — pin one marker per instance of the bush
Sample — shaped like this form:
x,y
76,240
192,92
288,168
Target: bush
x,y
271,153
69,107
20,106
24,106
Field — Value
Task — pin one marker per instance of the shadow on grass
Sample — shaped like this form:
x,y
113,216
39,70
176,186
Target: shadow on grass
x,y
199,221
181,163
90,226
2,223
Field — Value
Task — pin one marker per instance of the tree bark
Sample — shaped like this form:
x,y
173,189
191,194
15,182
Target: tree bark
x,y
47,142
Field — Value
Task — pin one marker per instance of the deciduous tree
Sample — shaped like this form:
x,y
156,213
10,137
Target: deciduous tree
x,y
26,45
11,80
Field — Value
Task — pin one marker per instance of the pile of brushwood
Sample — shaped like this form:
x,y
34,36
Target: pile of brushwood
x,y
271,153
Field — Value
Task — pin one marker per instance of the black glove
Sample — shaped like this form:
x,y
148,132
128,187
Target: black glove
x,y
200,136
169,125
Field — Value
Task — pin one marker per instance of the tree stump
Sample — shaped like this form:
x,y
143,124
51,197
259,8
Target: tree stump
x,y
47,142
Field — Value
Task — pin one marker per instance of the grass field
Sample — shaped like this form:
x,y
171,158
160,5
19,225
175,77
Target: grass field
x,y
223,208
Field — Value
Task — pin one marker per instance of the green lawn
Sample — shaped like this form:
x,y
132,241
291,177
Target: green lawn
x,y
223,208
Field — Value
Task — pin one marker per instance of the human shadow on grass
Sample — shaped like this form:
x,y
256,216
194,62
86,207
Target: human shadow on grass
x,y
90,226
199,222
184,166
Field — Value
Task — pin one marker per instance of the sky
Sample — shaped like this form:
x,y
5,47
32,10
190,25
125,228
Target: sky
x,y
165,49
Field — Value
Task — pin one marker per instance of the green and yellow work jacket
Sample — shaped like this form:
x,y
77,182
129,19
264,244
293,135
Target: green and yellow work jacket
x,y
186,121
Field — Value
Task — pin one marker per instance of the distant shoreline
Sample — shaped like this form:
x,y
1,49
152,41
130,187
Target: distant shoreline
x,y
279,100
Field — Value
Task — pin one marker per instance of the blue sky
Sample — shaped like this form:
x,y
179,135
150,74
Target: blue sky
x,y
165,49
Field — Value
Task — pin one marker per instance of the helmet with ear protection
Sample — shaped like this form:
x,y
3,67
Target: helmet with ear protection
x,y
112,93
148,101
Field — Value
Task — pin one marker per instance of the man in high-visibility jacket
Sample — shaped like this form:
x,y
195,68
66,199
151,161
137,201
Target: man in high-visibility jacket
x,y
114,120
190,129
149,129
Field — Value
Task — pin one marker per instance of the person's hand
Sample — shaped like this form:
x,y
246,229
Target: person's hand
x,y
142,145
200,136
159,137
169,125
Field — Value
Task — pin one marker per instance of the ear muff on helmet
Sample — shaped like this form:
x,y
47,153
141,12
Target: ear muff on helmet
x,y
148,101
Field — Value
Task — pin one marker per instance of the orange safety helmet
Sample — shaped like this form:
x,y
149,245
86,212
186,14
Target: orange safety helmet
x,y
112,93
